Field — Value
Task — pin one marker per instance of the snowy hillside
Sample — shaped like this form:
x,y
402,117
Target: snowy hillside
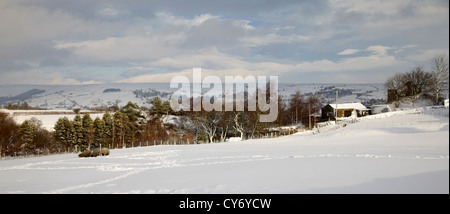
x,y
89,96
86,96
401,152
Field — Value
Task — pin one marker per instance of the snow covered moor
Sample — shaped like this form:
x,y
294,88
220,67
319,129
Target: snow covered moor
x,y
396,152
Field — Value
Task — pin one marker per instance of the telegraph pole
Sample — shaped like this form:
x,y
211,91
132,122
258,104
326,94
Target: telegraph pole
x,y
337,96
309,116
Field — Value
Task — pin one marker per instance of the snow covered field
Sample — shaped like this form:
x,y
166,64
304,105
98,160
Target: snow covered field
x,y
389,153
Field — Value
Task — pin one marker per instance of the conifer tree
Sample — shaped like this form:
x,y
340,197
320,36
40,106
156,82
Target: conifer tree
x,y
78,131
109,128
135,118
99,132
126,130
87,124
27,132
59,128
160,108
157,107
121,126
64,131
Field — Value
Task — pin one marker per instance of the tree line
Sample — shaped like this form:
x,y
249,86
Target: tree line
x,y
418,83
28,138
21,106
217,126
132,125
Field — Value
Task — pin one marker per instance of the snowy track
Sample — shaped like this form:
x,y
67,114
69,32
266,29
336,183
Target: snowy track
x,y
365,157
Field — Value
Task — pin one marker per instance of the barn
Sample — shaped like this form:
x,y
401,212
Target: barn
x,y
344,110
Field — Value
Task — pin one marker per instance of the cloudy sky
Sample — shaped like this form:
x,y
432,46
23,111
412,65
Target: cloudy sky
x,y
334,41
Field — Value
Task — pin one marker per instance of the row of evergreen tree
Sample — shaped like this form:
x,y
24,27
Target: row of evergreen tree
x,y
128,127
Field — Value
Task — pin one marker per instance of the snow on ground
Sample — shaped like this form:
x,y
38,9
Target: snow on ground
x,y
48,119
390,153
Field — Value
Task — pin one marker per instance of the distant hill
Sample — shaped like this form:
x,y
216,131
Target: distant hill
x,y
111,90
119,94
21,97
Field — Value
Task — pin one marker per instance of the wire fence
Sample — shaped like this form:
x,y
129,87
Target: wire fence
x,y
434,117
427,117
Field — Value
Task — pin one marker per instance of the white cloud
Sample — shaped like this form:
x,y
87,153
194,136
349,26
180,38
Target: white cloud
x,y
221,73
272,38
40,76
109,12
427,55
32,24
184,37
379,50
169,19
221,64
348,52
378,58
403,48
386,7
98,38
409,46
130,47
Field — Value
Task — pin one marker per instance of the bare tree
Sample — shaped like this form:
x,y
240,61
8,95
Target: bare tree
x,y
419,79
314,106
439,70
210,123
240,122
297,106
395,82
206,122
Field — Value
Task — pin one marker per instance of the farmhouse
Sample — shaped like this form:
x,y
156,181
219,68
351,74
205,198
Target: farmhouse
x,y
344,110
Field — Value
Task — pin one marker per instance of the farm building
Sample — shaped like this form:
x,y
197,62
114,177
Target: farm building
x,y
344,110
